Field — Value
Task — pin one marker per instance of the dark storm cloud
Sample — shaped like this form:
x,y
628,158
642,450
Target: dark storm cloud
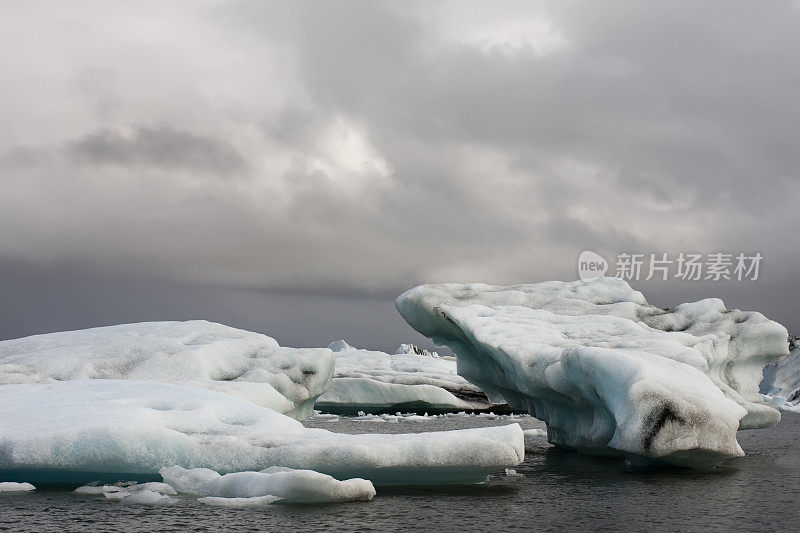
x,y
159,146
386,144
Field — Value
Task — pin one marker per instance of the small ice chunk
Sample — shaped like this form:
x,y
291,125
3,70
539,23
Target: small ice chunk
x,y
295,486
131,492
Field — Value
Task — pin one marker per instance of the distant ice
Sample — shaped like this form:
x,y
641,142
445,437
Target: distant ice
x,y
410,380
13,486
534,438
607,372
416,350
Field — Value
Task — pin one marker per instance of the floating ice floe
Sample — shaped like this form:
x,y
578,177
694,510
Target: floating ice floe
x,y
607,372
781,383
410,380
241,363
81,431
153,493
13,486
259,488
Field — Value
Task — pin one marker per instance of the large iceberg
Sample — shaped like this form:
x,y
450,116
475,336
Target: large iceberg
x,y
607,372
411,380
203,354
89,430
781,383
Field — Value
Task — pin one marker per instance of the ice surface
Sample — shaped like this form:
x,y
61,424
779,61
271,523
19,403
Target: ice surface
x,y
781,383
286,484
605,370
13,486
243,364
73,431
376,382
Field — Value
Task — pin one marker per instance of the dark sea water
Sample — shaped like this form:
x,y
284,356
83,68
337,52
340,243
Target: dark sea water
x,y
558,491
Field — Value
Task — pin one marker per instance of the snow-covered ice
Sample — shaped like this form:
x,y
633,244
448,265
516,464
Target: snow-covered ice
x,y
781,383
241,363
410,380
13,486
605,370
127,429
286,484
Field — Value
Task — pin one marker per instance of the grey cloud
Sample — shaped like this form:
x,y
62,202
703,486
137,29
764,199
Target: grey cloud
x,y
653,128
160,146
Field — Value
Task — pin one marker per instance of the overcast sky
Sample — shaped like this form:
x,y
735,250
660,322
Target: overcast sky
x,y
291,167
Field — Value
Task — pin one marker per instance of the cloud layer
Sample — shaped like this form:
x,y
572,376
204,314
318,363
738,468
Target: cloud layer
x,y
369,146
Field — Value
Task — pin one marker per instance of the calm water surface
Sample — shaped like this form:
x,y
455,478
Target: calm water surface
x,y
559,491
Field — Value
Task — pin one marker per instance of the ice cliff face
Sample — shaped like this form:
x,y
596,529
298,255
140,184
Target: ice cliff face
x,y
202,354
377,382
781,382
606,371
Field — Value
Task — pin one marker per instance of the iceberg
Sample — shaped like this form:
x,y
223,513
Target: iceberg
x,y
781,383
106,430
241,363
13,486
607,372
411,380
250,488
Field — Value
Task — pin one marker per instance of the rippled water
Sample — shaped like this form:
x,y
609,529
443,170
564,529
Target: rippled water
x,y
559,491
